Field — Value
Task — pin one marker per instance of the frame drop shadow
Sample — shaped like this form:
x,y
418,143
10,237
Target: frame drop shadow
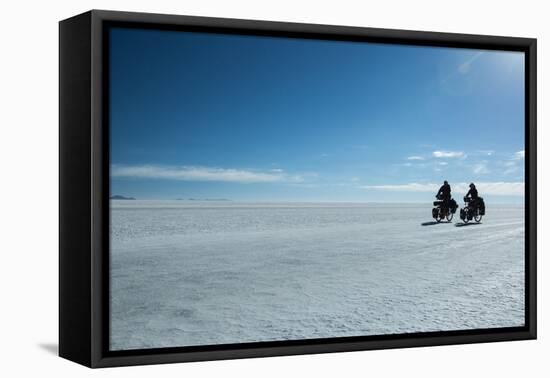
x,y
51,348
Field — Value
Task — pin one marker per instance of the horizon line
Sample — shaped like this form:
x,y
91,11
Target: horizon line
x,y
295,201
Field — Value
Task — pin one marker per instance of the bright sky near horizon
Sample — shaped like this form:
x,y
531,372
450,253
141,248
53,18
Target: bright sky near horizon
x,y
196,115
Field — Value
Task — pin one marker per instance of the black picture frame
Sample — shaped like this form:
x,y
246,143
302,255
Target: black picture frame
x,y
84,189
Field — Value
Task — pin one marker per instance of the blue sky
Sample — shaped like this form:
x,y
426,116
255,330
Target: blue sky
x,y
197,115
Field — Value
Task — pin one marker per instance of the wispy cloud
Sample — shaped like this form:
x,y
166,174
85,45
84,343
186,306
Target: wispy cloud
x,y
486,152
511,170
465,66
513,164
481,168
511,167
414,157
491,188
448,154
191,173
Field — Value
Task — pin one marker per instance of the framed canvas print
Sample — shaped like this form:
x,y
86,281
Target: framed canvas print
x,y
234,188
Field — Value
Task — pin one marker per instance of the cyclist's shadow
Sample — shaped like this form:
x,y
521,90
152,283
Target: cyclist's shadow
x,y
467,224
433,223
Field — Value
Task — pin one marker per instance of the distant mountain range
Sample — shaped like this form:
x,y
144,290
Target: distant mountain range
x,y
117,197
202,199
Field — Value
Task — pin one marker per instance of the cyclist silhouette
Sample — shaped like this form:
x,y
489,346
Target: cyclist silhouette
x,y
473,194
444,192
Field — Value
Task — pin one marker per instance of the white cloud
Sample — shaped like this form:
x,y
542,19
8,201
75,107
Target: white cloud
x,y
415,158
190,173
442,163
412,187
519,155
491,188
498,188
448,154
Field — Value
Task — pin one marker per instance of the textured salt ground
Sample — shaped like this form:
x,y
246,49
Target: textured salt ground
x,y
209,273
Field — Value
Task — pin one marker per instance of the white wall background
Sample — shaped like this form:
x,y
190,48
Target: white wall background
x,y
29,186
